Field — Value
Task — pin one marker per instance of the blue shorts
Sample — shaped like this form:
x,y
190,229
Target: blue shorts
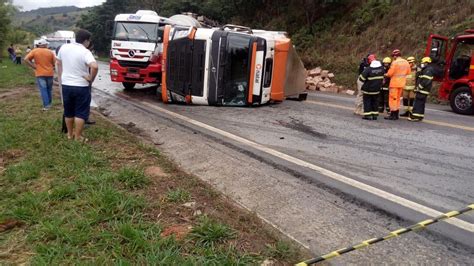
x,y
77,101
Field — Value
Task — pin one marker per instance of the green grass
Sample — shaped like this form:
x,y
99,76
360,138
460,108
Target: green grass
x,y
78,209
12,76
281,250
209,232
178,195
93,204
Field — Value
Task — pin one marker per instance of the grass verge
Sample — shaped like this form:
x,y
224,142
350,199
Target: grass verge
x,y
12,75
112,200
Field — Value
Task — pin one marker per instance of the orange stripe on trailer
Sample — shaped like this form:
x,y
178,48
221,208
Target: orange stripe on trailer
x,y
166,37
472,67
252,72
279,69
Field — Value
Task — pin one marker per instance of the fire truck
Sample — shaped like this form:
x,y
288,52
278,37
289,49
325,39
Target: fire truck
x,y
135,55
229,66
453,61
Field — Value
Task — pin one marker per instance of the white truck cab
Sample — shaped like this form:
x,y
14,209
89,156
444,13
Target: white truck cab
x,y
135,55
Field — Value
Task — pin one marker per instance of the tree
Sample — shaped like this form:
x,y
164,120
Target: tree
x,y
6,12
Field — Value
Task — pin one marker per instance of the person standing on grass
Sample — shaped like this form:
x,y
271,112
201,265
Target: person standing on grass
x,y
43,65
77,70
11,53
18,53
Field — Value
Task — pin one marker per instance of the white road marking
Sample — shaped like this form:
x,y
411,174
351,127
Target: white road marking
x,y
362,186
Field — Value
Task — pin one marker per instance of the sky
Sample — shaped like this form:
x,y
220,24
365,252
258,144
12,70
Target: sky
x,y
34,4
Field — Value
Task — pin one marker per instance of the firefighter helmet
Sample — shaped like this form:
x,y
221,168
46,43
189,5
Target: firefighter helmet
x,y
387,60
371,58
426,60
411,59
396,52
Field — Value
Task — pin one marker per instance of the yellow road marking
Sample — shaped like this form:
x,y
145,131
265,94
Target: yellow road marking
x,y
432,122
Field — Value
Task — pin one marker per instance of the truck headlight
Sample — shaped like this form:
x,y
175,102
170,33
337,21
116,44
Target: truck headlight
x,y
113,72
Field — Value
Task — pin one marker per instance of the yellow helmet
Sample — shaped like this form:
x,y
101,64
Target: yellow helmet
x,y
387,60
411,59
425,60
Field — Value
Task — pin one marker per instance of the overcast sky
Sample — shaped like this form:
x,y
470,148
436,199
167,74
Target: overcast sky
x,y
34,4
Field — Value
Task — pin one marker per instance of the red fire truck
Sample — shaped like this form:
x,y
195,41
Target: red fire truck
x,y
453,61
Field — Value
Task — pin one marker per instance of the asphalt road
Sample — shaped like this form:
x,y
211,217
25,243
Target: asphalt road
x,y
429,164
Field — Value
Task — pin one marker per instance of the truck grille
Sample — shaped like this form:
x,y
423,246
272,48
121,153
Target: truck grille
x,y
133,64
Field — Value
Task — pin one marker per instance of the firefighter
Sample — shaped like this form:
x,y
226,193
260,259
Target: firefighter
x,y
383,96
409,90
424,82
372,77
399,69
365,62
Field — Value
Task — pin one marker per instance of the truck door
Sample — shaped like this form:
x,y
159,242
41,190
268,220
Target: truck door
x,y
437,50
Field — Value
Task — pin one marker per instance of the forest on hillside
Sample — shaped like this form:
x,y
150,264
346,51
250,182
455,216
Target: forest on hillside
x,y
333,34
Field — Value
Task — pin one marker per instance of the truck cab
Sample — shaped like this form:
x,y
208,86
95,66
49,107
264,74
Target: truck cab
x,y
453,61
58,38
136,47
227,66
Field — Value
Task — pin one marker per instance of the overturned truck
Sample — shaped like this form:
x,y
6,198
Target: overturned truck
x,y
229,66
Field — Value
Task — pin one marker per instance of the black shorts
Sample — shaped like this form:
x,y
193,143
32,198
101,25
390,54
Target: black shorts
x,y
76,101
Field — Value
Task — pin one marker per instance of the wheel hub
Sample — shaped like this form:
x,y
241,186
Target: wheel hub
x,y
463,101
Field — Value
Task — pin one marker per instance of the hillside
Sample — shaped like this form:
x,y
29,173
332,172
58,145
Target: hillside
x,y
337,34
46,20
333,34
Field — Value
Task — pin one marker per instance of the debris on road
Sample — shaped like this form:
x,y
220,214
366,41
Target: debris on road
x,y
320,80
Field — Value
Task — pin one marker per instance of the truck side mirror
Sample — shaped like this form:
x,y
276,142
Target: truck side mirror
x,y
109,27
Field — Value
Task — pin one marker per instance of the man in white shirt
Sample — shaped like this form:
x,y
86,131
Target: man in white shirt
x,y
77,70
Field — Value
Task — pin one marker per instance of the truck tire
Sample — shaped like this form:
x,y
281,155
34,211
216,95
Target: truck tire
x,y
128,85
461,101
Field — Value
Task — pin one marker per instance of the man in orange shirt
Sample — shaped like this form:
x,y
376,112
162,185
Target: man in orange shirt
x,y
398,77
44,61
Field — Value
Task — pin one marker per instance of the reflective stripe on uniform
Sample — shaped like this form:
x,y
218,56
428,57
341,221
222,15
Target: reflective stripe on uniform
x,y
418,115
423,92
370,93
376,77
361,77
426,77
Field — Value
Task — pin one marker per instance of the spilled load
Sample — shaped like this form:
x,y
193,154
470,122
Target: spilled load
x,y
230,66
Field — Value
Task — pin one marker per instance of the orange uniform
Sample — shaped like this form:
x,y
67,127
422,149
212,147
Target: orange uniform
x,y
397,73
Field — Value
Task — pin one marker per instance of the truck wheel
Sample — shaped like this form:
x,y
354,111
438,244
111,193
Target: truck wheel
x,y
128,85
461,101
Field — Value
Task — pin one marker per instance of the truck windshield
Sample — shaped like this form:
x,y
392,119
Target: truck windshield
x,y
133,31
237,70
53,45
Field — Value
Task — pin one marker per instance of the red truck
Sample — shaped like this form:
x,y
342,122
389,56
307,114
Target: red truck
x,y
453,60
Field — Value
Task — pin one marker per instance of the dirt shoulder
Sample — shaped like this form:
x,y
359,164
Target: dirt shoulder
x,y
114,198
